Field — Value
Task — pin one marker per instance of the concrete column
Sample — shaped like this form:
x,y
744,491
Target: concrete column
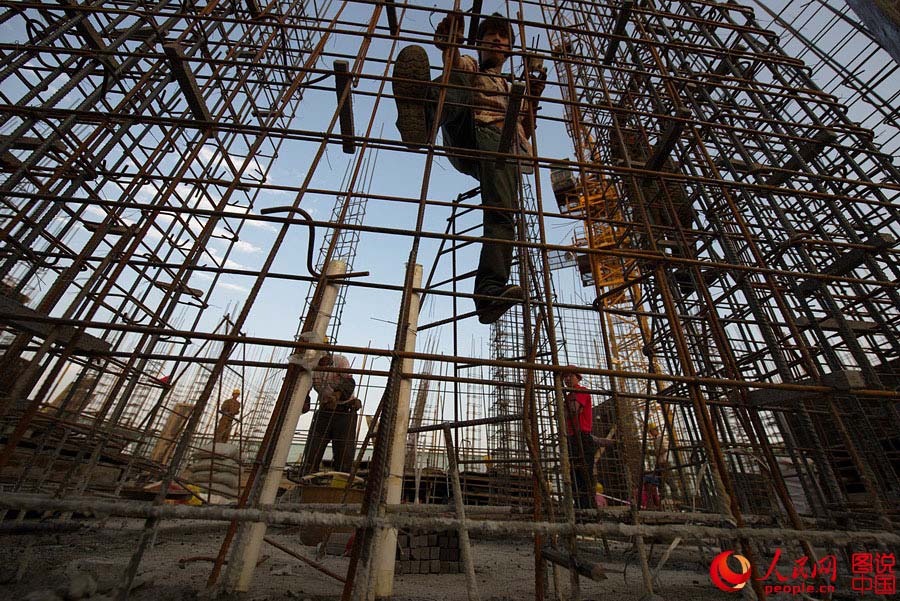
x,y
165,446
882,18
385,550
245,553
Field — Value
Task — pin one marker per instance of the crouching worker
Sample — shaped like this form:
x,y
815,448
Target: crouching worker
x,y
335,418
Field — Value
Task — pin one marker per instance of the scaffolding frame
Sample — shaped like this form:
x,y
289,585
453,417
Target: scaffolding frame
x,y
749,222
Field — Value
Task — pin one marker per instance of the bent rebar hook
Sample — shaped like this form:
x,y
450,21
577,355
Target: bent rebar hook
x,y
309,221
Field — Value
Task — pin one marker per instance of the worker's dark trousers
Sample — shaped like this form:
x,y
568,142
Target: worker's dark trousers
x,y
499,186
338,428
581,457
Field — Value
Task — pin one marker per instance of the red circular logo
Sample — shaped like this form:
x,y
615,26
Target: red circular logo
x,y
724,577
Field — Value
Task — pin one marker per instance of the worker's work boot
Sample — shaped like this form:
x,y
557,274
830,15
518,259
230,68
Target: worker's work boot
x,y
411,81
493,310
685,282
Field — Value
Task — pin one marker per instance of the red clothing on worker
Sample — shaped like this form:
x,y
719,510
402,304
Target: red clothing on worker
x,y
585,415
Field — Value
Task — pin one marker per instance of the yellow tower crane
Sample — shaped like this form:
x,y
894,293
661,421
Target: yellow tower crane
x,y
590,195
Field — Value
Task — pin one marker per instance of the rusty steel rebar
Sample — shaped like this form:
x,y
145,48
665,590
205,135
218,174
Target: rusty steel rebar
x,y
721,262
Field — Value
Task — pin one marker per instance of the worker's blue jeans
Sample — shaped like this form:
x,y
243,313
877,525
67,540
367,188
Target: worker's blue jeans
x,y
499,186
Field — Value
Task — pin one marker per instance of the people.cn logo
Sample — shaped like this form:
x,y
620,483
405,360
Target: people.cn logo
x,y
724,577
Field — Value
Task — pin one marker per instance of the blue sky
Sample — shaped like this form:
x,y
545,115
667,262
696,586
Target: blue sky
x,y
368,315
396,174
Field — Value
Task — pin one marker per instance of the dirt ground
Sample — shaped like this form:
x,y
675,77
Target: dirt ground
x,y
34,565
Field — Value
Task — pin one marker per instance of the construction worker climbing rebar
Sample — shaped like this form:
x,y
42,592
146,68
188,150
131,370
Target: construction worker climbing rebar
x,y
472,119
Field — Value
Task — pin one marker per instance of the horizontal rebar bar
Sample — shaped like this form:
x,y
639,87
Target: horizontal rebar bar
x,y
292,518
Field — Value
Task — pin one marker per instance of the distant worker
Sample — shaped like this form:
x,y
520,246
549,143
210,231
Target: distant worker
x,y
599,497
472,119
579,423
658,446
335,418
229,409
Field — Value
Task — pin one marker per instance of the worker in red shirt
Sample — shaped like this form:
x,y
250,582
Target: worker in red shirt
x,y
579,423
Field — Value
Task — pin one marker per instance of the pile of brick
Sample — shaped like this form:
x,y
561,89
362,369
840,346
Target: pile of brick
x,y
428,553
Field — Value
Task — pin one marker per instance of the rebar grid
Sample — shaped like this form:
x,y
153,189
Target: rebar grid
x,y
726,270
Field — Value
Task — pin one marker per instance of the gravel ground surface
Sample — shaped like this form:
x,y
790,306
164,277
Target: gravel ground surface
x,y
88,563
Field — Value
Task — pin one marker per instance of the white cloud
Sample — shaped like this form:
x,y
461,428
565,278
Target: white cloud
x,y
205,203
195,224
147,192
209,156
235,287
246,247
184,191
153,233
261,225
228,263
